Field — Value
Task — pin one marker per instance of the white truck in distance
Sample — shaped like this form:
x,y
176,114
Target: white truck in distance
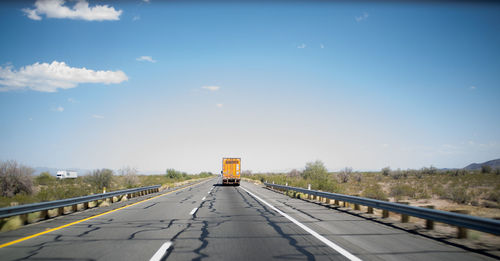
x,y
63,174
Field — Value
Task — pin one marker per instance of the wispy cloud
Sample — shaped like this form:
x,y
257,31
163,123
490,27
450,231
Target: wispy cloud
x,y
71,100
45,77
146,59
80,11
146,1
472,88
362,17
219,105
211,88
97,116
321,46
58,109
136,17
302,46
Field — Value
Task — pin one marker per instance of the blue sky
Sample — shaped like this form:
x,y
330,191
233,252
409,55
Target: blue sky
x,y
360,85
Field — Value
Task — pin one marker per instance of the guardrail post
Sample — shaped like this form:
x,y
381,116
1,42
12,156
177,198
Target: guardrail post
x,y
356,206
346,204
370,210
74,208
404,218
60,211
462,232
336,202
385,213
85,205
44,214
429,224
24,219
328,201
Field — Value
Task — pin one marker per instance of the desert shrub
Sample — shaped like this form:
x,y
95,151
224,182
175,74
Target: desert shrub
x,y
15,178
294,173
100,178
205,174
402,190
344,174
485,169
397,174
374,191
174,174
358,177
459,194
386,171
129,177
429,171
45,179
315,171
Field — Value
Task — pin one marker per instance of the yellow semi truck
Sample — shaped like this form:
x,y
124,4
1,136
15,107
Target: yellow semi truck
x,y
231,168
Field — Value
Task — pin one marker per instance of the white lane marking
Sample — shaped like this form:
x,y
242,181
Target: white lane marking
x,y
203,198
310,231
193,211
161,252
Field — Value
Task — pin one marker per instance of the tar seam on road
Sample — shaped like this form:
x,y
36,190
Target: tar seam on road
x,y
193,211
310,231
89,218
161,252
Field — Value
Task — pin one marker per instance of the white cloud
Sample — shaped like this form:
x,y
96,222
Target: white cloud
x,y
31,13
362,17
146,59
136,17
211,88
80,11
146,1
219,105
472,88
72,100
302,46
321,46
97,116
45,77
58,109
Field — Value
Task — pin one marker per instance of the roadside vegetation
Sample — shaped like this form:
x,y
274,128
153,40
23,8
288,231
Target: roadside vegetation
x,y
475,190
18,185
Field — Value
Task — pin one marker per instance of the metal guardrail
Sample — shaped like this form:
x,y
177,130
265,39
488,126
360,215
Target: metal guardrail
x,y
460,220
45,206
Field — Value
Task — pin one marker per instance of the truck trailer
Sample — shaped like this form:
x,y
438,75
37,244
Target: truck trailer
x,y
231,168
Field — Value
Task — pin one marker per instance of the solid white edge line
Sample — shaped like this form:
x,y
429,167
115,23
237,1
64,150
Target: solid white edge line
x,y
193,211
161,252
310,231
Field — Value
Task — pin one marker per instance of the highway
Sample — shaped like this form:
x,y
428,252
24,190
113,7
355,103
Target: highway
x,y
212,222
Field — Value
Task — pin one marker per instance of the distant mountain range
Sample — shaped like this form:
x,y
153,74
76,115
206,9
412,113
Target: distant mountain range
x,y
494,164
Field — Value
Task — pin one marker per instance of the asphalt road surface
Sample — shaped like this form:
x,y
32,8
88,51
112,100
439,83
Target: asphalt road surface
x,y
212,222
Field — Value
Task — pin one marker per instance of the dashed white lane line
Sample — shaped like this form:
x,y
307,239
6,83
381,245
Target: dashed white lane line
x,y
193,211
203,198
310,231
161,252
